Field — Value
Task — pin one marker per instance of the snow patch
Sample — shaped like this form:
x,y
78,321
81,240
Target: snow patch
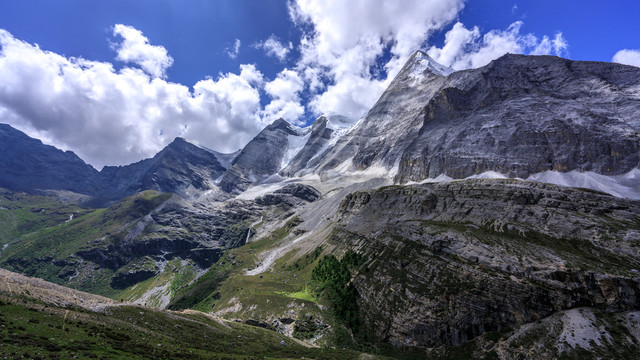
x,y
296,143
225,159
423,62
339,122
346,170
622,186
578,330
437,179
488,175
260,190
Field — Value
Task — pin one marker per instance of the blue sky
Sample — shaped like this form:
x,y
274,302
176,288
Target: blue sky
x,y
115,81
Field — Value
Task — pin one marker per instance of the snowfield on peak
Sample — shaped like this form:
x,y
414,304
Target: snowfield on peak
x,y
296,143
423,62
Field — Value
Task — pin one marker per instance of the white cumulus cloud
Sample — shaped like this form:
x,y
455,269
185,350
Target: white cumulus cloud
x,y
627,57
465,48
135,48
111,117
349,52
286,103
275,48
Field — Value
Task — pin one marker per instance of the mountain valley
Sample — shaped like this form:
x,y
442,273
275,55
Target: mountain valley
x,y
490,213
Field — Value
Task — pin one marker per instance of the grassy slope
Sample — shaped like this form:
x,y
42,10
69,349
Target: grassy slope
x,y
22,213
33,329
63,239
227,279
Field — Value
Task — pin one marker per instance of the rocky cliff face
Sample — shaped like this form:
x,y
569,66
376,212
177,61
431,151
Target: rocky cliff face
x,y
393,122
326,131
318,139
523,115
261,157
448,262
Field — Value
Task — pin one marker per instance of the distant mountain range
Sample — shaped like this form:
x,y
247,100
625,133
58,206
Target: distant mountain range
x,y
520,116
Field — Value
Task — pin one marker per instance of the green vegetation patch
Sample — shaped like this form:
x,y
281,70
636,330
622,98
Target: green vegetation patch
x,y
331,278
304,294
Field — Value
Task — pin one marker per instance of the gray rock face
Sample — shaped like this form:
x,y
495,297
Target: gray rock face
x,y
291,195
134,273
320,136
178,168
448,262
518,115
261,157
172,229
392,123
522,115
27,164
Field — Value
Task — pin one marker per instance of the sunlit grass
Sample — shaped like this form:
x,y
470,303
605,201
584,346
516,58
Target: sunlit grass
x,y
304,294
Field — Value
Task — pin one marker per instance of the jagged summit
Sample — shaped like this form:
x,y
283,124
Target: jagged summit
x,y
325,132
263,156
420,62
281,124
181,167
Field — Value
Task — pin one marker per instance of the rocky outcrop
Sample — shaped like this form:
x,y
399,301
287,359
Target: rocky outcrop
x,y
522,115
291,195
172,229
261,157
448,262
134,273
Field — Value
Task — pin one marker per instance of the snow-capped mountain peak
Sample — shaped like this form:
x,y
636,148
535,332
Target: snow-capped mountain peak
x,y
421,62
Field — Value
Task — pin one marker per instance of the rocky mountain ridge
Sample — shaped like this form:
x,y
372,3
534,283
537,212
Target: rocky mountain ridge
x,y
518,115
180,167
